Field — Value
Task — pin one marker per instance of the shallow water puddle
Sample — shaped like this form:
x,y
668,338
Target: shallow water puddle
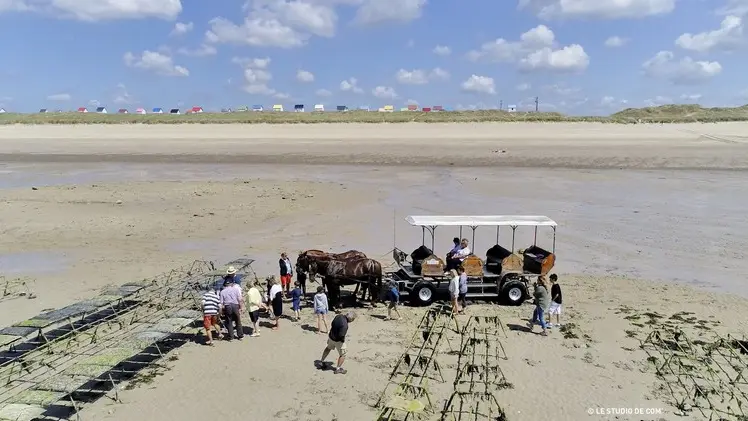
x,y
32,262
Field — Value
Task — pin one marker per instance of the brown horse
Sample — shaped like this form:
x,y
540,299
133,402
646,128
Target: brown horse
x,y
306,258
352,271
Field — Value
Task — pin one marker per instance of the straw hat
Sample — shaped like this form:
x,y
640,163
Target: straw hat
x,y
231,270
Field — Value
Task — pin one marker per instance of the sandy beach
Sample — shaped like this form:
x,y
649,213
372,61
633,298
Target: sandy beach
x,y
651,224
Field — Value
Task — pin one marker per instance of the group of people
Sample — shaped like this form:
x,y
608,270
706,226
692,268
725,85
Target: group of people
x,y
546,303
226,300
457,254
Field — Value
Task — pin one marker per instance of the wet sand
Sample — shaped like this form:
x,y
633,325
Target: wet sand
x,y
663,241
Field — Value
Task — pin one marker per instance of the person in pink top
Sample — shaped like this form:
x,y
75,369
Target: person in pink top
x,y
233,306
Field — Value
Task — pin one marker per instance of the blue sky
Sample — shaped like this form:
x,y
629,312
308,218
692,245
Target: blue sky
x,y
577,56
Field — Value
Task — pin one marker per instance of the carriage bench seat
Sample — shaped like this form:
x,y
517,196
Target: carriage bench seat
x,y
473,266
432,266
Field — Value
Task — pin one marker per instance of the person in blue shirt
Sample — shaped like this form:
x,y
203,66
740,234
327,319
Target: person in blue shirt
x,y
296,301
452,253
394,296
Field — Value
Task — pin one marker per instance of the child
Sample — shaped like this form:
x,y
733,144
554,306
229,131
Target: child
x,y
296,301
320,309
394,296
556,300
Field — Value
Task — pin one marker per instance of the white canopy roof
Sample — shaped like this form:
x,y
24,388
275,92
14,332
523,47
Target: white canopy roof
x,y
481,220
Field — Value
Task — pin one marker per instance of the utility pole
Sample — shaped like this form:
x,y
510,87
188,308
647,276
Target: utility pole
x,y
501,105
536,104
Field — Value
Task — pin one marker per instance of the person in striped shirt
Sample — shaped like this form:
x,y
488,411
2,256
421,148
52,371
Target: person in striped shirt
x,y
211,309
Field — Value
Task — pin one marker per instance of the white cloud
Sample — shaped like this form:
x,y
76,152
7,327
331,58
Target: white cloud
x,y
609,101
411,102
691,97
442,50
304,76
727,37
254,32
59,97
323,92
682,72
602,9
384,92
524,87
155,62
734,7
94,103
412,77
479,84
377,11
256,75
289,24
203,50
616,41
569,58
122,96
351,85
657,101
257,63
535,50
439,74
98,10
181,28
420,77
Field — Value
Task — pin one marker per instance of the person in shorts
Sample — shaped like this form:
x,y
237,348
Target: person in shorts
x,y
211,309
321,309
336,341
254,304
286,272
556,300
394,298
296,301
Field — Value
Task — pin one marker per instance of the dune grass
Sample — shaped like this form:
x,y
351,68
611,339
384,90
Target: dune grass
x,y
662,114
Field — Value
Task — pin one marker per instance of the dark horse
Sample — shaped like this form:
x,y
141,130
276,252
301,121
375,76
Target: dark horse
x,y
352,271
306,258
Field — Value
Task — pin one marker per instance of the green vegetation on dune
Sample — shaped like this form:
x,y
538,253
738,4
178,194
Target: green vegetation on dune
x,y
661,114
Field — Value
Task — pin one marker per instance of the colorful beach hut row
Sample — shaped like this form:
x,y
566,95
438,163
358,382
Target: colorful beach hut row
x,y
155,110
299,108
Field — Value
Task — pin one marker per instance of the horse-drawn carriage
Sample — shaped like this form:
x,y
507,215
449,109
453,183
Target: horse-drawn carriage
x,y
504,273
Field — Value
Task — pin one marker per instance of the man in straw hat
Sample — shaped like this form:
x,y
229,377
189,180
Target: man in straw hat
x,y
336,341
233,277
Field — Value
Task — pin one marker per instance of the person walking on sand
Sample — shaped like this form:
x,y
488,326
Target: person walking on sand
x,y
336,341
286,272
275,299
233,306
454,290
541,304
321,309
296,301
463,289
254,304
211,309
394,297
556,300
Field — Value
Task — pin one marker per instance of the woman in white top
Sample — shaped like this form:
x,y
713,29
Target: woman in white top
x,y
454,290
275,299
